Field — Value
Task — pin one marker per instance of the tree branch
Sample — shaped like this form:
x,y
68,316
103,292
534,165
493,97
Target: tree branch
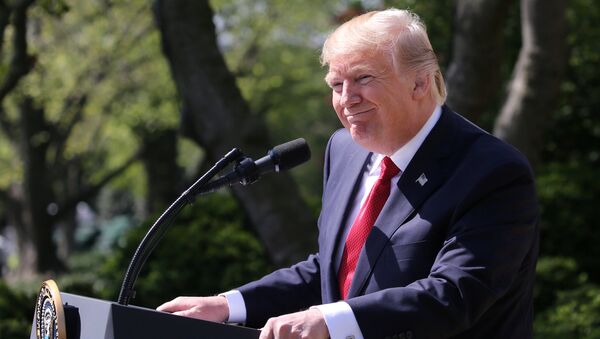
x,y
60,135
215,115
70,203
21,62
4,20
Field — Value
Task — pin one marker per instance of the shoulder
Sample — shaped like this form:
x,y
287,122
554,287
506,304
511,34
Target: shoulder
x,y
476,147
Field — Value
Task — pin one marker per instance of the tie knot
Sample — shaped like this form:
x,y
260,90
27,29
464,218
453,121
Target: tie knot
x,y
388,169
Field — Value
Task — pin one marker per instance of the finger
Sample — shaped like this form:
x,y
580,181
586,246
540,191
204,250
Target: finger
x,y
266,332
177,304
166,307
186,313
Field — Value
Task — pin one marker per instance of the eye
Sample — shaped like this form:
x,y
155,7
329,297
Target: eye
x,y
336,86
364,79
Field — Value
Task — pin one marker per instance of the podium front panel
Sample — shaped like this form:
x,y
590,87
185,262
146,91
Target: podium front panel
x,y
89,318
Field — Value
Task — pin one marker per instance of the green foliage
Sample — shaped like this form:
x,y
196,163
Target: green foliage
x,y
576,315
568,180
567,305
101,78
554,275
101,84
273,47
576,136
54,7
567,290
569,225
207,250
16,312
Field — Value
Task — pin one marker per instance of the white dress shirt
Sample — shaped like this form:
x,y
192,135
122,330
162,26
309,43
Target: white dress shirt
x,y
339,317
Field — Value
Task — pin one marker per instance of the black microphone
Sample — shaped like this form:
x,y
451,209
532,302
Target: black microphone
x,y
247,171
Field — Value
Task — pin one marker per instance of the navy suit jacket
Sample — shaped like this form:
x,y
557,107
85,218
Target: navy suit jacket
x,y
452,256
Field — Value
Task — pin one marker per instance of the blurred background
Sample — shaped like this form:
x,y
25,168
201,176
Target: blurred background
x,y
110,109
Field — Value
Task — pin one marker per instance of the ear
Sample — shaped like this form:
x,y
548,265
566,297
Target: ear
x,y
422,84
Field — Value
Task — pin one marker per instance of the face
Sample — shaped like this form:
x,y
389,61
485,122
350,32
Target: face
x,y
373,101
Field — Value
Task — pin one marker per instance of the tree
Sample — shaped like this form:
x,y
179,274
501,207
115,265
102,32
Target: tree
x,y
31,122
215,115
473,77
474,73
539,72
56,120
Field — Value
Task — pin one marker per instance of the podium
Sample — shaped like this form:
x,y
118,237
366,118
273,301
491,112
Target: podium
x,y
60,315
89,318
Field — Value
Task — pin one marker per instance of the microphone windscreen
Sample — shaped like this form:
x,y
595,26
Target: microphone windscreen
x,y
290,154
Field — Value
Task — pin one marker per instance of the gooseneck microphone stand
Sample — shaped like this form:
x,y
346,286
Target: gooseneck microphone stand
x,y
162,224
246,171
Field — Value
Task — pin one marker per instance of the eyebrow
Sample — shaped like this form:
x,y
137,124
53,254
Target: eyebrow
x,y
329,77
352,70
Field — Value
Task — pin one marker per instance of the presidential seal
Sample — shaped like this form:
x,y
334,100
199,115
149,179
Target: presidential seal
x,y
49,313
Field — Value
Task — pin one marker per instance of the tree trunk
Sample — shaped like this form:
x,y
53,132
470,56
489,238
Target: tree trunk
x,y
37,193
534,89
473,76
12,200
159,154
33,208
215,115
71,186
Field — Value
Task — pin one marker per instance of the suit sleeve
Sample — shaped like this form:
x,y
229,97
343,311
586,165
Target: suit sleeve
x,y
489,248
286,290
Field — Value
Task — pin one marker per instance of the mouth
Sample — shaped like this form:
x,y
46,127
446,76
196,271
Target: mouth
x,y
356,114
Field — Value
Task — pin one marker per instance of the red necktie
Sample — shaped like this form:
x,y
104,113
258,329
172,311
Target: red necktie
x,y
364,223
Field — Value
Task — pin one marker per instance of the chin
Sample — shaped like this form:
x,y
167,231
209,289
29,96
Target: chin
x,y
364,140
371,144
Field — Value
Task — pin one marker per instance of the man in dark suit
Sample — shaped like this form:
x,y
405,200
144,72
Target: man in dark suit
x,y
428,226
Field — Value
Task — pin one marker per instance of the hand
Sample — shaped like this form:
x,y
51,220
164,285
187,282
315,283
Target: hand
x,y
213,309
306,324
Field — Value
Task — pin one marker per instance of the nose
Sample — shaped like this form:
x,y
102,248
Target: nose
x,y
350,95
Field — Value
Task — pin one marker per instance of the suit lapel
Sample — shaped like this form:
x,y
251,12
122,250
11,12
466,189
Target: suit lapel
x,y
342,188
424,174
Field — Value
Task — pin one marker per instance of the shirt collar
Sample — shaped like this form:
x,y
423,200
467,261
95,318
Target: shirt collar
x,y
404,155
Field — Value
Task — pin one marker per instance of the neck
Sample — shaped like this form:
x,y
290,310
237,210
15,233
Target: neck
x,y
420,115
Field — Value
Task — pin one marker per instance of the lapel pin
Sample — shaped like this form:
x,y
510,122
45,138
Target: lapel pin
x,y
422,179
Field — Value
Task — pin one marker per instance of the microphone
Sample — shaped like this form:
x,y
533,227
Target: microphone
x,y
279,158
246,171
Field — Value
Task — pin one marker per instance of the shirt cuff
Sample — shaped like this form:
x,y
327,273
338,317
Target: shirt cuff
x,y
340,320
237,307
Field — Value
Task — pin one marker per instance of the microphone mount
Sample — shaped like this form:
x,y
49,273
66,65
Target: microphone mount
x,y
160,227
246,171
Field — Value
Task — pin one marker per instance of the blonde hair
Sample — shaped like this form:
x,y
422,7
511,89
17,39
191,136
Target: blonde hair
x,y
399,33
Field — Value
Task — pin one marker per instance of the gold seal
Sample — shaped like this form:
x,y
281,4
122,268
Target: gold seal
x,y
49,313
